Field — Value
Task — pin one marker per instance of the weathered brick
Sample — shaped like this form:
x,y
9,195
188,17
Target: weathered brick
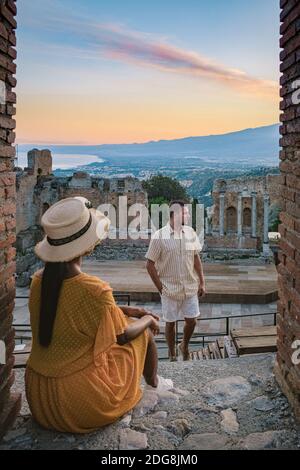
x,y
10,223
7,151
10,192
7,272
10,109
12,39
8,179
287,249
287,220
7,122
8,15
290,18
11,97
10,256
289,34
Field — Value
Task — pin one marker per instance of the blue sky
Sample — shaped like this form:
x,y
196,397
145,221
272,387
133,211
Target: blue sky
x,y
98,71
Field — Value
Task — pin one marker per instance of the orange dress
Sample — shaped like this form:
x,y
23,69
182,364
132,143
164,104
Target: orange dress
x,y
84,379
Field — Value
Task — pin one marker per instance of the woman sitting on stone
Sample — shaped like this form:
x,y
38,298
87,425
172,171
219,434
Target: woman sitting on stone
x,y
88,354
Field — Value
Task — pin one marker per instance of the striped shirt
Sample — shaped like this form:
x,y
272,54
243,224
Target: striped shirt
x,y
173,255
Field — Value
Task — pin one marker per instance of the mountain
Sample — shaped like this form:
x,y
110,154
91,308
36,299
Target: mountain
x,y
250,146
258,143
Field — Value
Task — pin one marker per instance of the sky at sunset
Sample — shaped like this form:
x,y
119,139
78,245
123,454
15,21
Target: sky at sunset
x,y
118,71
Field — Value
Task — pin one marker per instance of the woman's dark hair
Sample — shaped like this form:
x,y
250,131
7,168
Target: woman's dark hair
x,y
53,276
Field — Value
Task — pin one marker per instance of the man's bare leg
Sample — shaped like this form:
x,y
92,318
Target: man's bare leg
x,y
189,327
170,338
151,362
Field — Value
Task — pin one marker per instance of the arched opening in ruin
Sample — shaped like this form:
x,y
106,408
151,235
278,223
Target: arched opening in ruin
x,y
231,220
247,218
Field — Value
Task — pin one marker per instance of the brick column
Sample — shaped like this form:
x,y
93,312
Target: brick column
x,y
9,403
287,370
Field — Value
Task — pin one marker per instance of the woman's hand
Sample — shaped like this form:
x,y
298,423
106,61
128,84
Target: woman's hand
x,y
154,326
138,312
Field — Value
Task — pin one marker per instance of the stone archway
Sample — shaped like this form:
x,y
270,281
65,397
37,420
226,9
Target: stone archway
x,y
247,218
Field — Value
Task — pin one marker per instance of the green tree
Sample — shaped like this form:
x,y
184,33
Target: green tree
x,y
162,189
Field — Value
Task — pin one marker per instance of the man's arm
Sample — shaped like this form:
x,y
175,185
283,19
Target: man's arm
x,y
199,270
154,275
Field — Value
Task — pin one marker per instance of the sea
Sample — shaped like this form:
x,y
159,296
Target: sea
x,y
62,161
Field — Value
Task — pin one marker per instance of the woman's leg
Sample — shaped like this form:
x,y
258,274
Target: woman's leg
x,y
151,362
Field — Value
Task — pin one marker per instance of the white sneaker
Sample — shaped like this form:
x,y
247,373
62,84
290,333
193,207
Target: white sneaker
x,y
163,385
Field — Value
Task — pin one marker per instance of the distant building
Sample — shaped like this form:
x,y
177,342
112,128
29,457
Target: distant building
x,y
240,216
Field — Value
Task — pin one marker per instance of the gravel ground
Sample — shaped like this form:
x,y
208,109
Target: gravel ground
x,y
223,404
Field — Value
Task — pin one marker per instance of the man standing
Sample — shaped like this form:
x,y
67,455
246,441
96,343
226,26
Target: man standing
x,y
175,268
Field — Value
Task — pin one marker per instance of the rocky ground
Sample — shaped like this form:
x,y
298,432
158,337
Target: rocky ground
x,y
224,404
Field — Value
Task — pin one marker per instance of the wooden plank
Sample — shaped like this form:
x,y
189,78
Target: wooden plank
x,y
258,344
220,343
27,348
229,347
21,360
196,355
217,351
211,350
259,331
193,355
206,353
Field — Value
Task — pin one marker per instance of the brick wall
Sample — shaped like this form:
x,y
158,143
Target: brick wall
x,y
287,371
9,403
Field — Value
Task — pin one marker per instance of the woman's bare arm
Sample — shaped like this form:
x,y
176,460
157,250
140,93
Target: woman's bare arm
x,y
136,312
136,328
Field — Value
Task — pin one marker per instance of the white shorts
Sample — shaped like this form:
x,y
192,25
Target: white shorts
x,y
173,310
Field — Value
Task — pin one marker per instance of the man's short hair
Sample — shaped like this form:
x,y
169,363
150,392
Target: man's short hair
x,y
175,203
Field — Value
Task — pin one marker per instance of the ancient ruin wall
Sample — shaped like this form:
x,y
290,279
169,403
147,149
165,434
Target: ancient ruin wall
x,y
287,371
231,189
38,189
9,403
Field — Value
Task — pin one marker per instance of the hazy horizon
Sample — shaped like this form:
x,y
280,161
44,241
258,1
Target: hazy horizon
x,y
82,144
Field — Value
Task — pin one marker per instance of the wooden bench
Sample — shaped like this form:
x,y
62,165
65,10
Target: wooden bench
x,y
255,340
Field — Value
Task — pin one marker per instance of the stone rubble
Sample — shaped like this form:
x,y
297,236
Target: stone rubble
x,y
229,423
216,407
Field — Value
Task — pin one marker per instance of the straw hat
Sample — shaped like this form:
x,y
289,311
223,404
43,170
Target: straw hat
x,y
72,229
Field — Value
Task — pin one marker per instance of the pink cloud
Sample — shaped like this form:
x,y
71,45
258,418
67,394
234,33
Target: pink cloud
x,y
144,50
